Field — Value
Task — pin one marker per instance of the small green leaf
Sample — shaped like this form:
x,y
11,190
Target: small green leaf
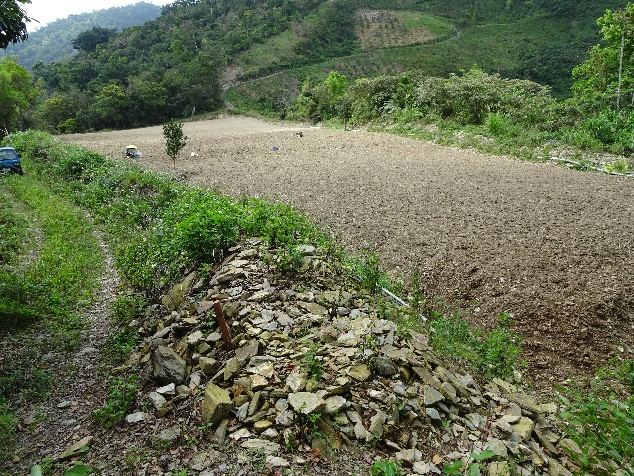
x,y
79,470
452,468
486,454
474,470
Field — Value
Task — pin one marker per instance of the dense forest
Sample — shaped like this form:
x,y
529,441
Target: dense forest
x,y
275,57
53,42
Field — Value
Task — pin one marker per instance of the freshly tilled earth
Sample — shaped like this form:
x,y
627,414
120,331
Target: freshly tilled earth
x,y
553,247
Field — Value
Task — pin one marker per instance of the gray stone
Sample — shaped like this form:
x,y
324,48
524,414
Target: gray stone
x,y
384,366
504,385
431,396
169,367
425,468
169,389
335,404
306,403
503,427
296,380
161,405
498,447
569,445
499,468
208,365
433,414
556,469
265,369
359,372
247,351
277,462
266,446
426,376
170,435
194,339
312,308
176,295
448,391
200,461
477,420
216,404
524,428
232,367
137,417
511,419
241,434
376,424
409,457
285,418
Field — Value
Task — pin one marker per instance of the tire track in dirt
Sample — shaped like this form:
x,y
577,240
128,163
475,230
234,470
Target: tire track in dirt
x,y
552,246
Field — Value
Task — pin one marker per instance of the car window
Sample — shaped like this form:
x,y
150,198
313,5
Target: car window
x,y
7,154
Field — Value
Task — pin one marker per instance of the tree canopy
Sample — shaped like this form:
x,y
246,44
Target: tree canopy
x,y
608,75
13,22
18,95
87,41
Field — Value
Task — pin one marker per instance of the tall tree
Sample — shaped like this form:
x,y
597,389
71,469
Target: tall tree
x,y
17,95
609,72
13,22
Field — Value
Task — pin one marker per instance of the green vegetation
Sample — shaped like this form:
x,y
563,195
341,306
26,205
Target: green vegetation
x,y
14,21
174,65
601,421
121,397
175,140
490,353
53,42
44,281
18,96
311,364
385,468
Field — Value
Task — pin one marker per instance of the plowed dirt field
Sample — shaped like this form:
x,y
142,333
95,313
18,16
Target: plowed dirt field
x,y
552,246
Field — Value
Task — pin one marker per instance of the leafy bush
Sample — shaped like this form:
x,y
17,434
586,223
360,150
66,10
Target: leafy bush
x,y
603,427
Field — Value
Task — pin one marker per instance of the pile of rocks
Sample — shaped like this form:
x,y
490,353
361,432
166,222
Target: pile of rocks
x,y
310,365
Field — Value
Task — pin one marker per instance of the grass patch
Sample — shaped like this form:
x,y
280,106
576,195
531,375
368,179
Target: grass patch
x,y
46,277
491,353
8,424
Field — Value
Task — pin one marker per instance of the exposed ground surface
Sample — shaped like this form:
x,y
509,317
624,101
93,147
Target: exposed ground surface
x,y
552,246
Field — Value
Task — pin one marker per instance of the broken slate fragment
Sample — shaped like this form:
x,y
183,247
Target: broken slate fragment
x,y
169,367
216,404
306,403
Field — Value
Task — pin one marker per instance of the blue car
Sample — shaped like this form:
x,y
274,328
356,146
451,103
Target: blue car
x,y
10,161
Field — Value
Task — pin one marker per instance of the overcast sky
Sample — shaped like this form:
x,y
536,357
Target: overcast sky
x,y
46,11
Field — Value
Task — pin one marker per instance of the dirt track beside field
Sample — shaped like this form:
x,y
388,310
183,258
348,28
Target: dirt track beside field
x,y
552,246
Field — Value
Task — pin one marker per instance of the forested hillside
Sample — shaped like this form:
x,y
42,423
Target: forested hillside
x,y
200,53
53,42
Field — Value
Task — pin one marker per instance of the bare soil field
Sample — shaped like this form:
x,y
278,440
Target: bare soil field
x,y
552,246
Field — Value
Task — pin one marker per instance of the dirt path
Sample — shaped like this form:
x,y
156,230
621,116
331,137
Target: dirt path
x,y
552,246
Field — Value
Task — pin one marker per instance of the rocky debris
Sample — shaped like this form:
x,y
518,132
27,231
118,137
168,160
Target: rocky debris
x,y
314,365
